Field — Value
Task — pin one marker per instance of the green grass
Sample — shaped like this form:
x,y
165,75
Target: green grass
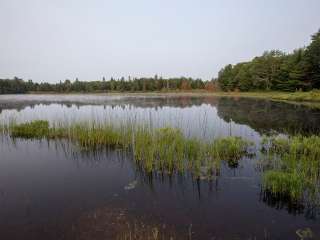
x,y
284,184
164,150
293,162
292,165
295,167
312,96
35,129
299,96
230,149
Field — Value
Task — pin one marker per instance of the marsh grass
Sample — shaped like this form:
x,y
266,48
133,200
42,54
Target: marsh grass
x,y
298,96
283,184
295,168
311,96
164,150
230,149
36,129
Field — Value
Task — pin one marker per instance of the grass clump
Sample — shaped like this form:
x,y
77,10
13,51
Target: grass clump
x,y
35,129
283,184
94,137
167,150
230,149
298,96
160,149
295,168
311,96
164,150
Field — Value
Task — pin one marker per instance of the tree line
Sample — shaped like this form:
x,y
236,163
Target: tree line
x,y
276,70
17,85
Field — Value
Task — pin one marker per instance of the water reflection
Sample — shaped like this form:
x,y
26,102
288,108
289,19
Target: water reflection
x,y
267,116
262,116
48,183
229,172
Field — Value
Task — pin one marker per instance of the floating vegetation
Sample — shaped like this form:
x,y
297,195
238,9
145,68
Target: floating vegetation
x,y
293,166
164,150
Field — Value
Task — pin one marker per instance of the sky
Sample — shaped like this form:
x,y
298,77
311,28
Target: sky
x,y
53,40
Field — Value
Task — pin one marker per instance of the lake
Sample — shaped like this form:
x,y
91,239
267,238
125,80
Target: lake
x,y
50,190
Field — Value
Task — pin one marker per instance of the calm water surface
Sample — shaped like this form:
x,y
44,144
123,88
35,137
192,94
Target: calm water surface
x,y
46,186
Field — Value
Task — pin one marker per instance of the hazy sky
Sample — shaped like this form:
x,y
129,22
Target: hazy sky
x,y
51,40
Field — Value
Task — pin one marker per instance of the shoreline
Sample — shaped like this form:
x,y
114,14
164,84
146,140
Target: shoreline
x,y
310,99
311,96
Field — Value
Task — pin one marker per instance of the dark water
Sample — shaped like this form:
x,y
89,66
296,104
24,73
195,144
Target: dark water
x,y
46,186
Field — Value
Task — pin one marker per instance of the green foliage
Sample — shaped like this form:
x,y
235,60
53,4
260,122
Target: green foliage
x,y
276,70
8,86
312,58
15,85
225,78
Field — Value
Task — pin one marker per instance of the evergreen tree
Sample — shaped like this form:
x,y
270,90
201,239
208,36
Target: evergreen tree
x,y
312,59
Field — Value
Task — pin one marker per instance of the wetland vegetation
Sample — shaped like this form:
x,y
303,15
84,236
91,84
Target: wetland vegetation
x,y
160,120
164,150
291,165
145,156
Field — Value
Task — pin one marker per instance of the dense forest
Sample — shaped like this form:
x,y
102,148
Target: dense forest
x,y
155,83
276,70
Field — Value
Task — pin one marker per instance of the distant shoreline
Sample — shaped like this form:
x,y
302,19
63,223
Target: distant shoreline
x,y
311,96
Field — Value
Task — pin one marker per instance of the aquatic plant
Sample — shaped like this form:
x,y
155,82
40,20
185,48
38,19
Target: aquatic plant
x,y
295,167
283,183
160,149
230,149
164,150
36,129
93,137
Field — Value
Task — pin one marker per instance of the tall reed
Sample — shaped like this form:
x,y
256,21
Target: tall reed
x,y
164,150
295,170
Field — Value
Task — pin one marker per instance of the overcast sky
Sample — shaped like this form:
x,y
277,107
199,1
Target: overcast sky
x,y
51,40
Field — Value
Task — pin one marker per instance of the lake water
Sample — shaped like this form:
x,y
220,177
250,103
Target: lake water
x,y
46,187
